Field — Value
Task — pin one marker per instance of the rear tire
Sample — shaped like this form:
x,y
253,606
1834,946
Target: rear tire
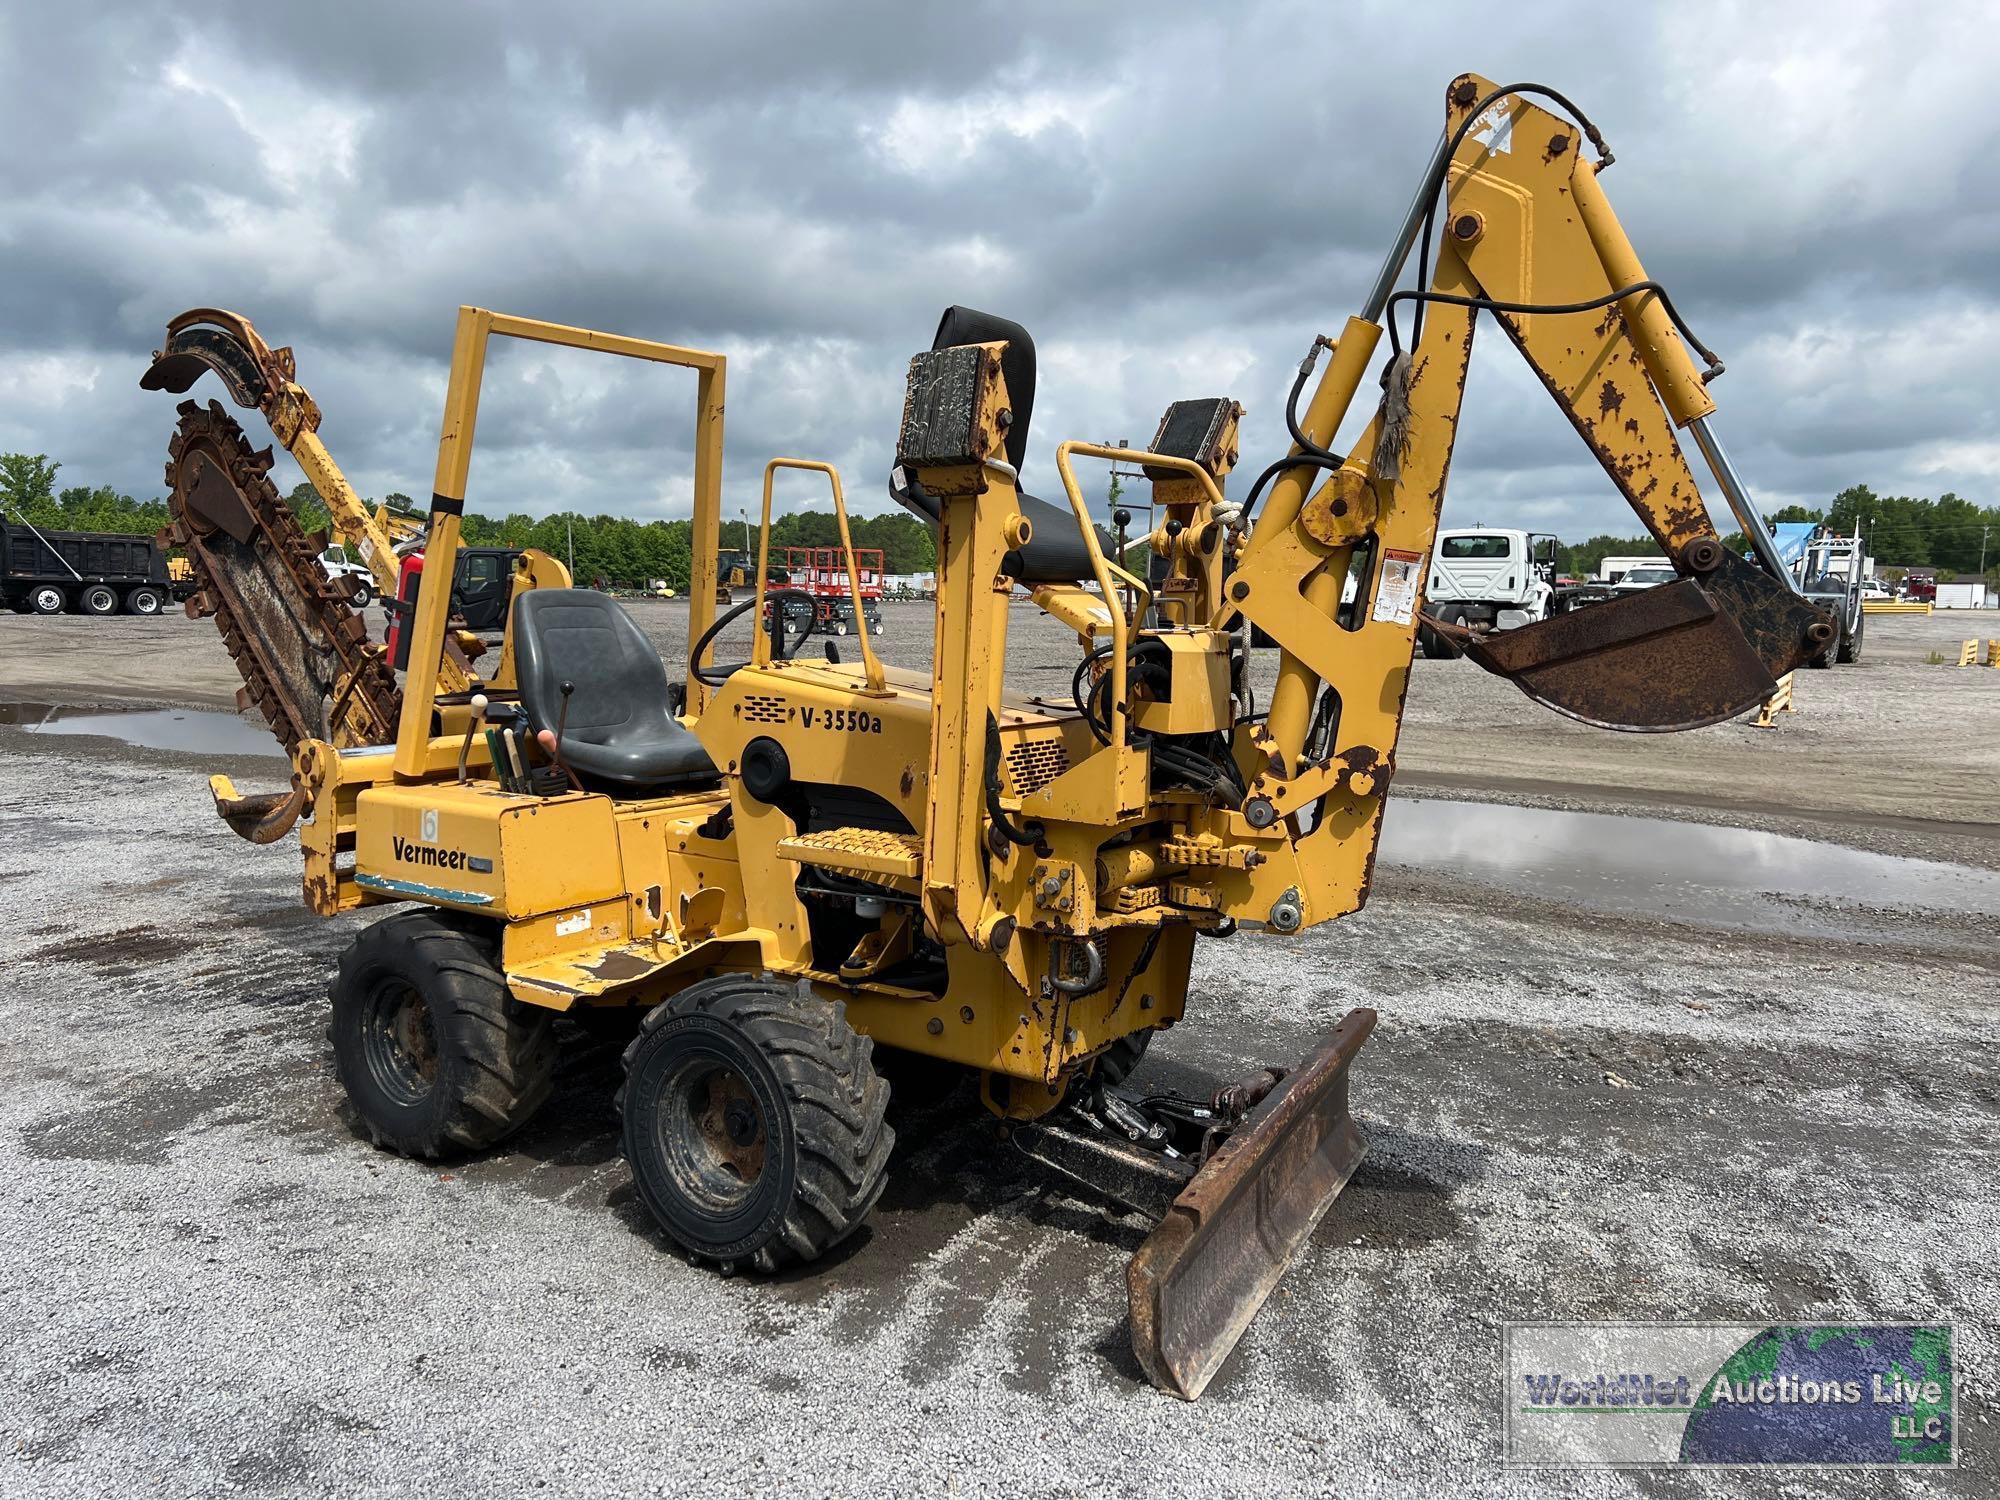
x,y
145,600
1850,641
98,599
47,599
436,1057
753,1122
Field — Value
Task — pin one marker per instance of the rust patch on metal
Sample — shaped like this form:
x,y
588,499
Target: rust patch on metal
x,y
1204,1272
1674,657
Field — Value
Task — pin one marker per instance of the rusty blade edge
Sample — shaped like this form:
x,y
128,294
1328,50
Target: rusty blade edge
x,y
1180,1336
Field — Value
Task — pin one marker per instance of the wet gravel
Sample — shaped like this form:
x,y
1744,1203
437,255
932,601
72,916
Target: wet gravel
x,y
209,1284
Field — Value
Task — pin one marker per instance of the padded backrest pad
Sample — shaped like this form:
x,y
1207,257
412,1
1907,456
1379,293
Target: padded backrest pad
x,y
581,636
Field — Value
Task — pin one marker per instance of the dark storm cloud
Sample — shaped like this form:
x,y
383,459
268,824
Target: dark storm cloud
x,y
1174,198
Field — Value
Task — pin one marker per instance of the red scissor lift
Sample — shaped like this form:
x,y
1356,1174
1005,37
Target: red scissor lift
x,y
822,572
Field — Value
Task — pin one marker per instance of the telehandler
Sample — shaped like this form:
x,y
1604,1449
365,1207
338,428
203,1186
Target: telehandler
x,y
788,870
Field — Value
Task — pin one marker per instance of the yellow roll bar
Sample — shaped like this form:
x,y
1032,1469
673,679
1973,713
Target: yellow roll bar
x,y
760,652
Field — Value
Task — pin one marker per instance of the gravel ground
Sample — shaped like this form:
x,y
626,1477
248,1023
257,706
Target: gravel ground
x,y
211,1284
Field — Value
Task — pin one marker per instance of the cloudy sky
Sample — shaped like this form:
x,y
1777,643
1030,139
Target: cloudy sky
x,y
1173,198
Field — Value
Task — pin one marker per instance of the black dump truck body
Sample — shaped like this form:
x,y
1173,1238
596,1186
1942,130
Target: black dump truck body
x,y
50,572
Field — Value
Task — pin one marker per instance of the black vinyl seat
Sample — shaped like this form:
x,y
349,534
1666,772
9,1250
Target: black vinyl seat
x,y
1055,552
621,736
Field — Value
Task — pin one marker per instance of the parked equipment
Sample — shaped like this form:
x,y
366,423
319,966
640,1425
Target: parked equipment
x,y
807,866
93,573
1833,571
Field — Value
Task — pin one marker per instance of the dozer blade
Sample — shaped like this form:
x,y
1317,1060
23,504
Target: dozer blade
x,y
1677,656
1202,1274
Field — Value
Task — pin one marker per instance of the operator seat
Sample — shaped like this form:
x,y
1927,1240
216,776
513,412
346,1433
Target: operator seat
x,y
1055,552
621,736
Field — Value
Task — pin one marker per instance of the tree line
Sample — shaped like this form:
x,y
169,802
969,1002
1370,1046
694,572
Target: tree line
x,y
1950,533
616,550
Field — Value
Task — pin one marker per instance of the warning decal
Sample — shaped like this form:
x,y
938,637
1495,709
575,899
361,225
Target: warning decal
x,y
1396,594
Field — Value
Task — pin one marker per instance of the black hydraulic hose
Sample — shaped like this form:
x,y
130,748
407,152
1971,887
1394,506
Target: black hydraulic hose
x,y
1030,833
1489,304
1438,175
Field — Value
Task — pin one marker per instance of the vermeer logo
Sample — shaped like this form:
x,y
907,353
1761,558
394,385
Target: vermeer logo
x,y
441,859
1629,1394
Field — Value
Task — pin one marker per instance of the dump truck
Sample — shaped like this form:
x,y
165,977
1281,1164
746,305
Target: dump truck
x,y
786,872
89,572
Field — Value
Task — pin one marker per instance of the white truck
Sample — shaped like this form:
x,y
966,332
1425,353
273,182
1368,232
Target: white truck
x,y
357,578
1491,578
1614,569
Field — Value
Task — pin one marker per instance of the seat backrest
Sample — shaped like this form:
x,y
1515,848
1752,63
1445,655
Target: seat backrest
x,y
584,637
1055,553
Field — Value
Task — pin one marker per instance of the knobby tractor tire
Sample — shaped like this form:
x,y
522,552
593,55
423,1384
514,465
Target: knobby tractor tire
x,y
1850,642
435,1055
753,1122
1122,1056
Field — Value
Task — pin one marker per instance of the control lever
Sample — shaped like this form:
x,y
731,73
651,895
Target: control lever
x,y
553,742
471,728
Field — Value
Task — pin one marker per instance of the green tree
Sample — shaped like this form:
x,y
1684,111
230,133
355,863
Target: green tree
x,y
28,487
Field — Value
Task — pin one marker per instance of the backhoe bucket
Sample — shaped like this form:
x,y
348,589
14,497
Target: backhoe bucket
x,y
1677,656
1206,1269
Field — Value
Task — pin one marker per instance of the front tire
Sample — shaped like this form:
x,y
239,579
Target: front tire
x,y
436,1057
753,1122
47,599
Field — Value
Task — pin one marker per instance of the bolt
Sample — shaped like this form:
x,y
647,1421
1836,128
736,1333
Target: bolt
x,y
1558,144
1005,418
1239,591
934,1026
1463,93
1466,226
1069,1036
964,1014
1259,812
1145,1002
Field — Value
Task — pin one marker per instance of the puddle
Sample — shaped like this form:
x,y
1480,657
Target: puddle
x,y
1735,877
148,728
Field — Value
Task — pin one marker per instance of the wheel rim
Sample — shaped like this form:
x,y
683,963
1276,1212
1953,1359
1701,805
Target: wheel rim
x,y
712,1134
399,1040
146,603
101,601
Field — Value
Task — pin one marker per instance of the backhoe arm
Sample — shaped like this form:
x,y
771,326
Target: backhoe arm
x,y
1522,231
